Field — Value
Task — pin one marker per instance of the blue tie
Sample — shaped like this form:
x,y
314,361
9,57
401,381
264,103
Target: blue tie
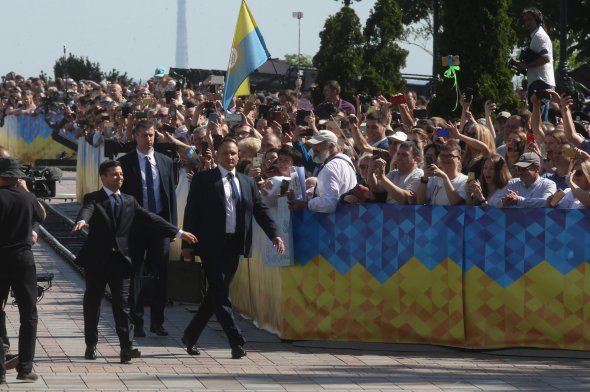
x,y
234,190
149,182
116,206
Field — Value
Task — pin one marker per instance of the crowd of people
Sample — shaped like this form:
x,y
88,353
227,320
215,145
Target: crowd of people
x,y
375,150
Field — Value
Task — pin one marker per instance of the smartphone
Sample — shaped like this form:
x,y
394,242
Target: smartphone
x,y
285,128
429,160
204,147
376,154
147,101
470,176
284,187
170,95
300,117
306,132
125,111
542,94
213,117
172,112
443,132
398,99
257,160
263,111
277,116
216,79
530,138
468,94
217,139
208,105
168,128
233,117
217,96
570,152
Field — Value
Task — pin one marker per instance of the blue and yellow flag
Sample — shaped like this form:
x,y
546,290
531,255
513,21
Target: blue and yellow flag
x,y
248,52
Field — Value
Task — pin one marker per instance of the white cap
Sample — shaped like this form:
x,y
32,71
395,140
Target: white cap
x,y
324,136
398,136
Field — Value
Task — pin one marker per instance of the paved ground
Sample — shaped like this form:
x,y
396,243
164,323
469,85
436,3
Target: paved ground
x,y
271,365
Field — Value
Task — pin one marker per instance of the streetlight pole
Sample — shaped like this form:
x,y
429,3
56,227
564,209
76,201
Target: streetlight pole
x,y
563,80
299,16
435,28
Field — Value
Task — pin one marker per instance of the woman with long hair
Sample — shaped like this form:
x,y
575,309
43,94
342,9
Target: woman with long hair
x,y
488,188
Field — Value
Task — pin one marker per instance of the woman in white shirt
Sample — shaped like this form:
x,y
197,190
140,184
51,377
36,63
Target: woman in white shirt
x,y
271,190
494,177
578,193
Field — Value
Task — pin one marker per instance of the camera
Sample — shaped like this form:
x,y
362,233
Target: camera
x,y
41,182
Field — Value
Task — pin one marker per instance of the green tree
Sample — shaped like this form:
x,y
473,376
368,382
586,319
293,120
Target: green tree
x,y
77,68
115,76
306,60
383,57
340,56
480,32
347,2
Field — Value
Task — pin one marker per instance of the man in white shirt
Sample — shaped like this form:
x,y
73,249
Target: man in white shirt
x,y
529,189
335,177
538,58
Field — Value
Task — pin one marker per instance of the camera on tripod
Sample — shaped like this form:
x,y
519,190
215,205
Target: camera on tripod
x,y
41,182
47,282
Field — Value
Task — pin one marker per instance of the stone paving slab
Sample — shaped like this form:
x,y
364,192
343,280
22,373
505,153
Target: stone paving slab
x,y
271,365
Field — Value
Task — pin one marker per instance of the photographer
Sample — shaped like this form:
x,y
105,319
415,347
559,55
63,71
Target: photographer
x,y
537,60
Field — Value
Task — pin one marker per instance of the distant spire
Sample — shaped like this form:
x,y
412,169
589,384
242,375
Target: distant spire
x,y
181,36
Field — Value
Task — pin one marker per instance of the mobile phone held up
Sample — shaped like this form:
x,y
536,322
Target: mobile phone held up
x,y
233,117
398,99
468,94
300,117
530,138
443,132
170,95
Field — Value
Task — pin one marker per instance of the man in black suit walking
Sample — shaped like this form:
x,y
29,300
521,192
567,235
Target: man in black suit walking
x,y
110,215
149,178
219,210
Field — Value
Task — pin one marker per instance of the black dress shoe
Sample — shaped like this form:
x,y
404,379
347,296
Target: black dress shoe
x,y
2,378
127,354
139,332
90,352
191,348
159,330
27,376
237,352
12,361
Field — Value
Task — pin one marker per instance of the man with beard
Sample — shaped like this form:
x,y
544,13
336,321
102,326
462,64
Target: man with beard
x,y
336,175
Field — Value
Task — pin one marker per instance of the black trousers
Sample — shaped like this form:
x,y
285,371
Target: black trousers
x,y
4,292
117,272
18,271
219,271
151,254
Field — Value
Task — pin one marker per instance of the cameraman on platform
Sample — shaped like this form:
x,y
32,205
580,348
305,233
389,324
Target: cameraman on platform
x,y
537,59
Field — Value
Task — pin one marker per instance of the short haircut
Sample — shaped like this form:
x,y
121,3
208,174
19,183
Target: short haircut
x,y
106,165
228,139
293,153
412,146
334,85
451,146
377,116
142,125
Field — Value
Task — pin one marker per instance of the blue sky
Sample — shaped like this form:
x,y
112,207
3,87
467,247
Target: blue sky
x,y
136,36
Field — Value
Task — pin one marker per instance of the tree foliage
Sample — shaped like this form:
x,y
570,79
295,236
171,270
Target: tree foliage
x,y
347,2
340,56
306,60
81,68
481,34
383,57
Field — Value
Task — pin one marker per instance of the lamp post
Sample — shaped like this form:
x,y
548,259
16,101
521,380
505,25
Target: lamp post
x,y
563,81
299,16
435,29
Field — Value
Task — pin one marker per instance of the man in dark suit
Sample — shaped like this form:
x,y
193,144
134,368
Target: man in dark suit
x,y
149,178
219,210
110,215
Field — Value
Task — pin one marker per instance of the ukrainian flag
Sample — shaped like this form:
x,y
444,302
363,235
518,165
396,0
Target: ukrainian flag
x,y
248,52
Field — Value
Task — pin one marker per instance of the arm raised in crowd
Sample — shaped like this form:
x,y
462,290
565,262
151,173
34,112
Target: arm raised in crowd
x,y
489,108
536,122
565,102
360,141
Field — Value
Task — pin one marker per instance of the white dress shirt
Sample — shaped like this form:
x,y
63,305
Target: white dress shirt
x,y
334,179
231,207
155,176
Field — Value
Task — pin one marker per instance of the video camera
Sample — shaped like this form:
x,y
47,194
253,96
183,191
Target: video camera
x,y
41,182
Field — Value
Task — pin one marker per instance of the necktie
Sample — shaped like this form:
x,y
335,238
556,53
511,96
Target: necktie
x,y
234,189
149,182
116,206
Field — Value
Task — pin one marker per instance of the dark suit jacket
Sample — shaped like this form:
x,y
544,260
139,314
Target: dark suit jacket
x,y
133,186
105,234
204,215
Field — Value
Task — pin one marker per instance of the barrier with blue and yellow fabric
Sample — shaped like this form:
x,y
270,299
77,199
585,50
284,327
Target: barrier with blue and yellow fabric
x,y
28,138
458,276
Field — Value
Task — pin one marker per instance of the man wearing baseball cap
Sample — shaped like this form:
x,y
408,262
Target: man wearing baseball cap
x,y
18,209
529,189
336,175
